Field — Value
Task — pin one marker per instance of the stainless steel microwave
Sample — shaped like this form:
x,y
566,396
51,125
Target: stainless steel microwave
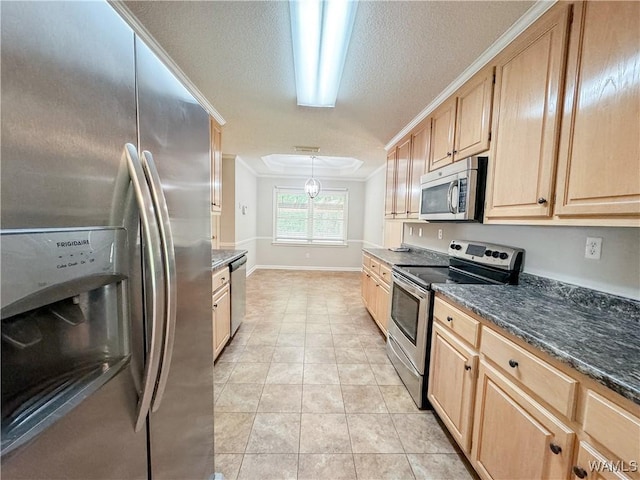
x,y
454,193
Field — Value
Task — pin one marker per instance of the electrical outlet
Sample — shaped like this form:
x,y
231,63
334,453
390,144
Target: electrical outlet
x,y
419,232
411,231
593,249
439,234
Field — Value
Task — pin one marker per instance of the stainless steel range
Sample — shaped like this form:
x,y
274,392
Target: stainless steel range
x,y
409,335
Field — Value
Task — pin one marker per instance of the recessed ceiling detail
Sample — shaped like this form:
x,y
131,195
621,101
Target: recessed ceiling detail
x,y
323,166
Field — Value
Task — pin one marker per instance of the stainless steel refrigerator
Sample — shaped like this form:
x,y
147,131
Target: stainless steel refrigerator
x,y
107,347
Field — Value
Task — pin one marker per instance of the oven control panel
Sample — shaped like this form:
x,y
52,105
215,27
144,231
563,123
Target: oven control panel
x,y
501,256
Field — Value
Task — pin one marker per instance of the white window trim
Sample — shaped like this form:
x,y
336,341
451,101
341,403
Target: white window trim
x,y
310,243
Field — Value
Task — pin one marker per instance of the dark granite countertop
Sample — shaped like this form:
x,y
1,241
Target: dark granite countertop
x,y
415,256
220,258
596,333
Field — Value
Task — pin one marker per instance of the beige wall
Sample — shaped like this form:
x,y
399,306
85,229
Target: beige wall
x,y
554,252
307,256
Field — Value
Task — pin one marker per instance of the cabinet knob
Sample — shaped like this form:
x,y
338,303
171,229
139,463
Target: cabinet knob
x,y
542,201
579,472
448,154
556,449
449,319
455,151
467,367
215,305
513,363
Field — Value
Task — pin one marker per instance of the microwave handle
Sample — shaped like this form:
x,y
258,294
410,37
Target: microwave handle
x,y
452,209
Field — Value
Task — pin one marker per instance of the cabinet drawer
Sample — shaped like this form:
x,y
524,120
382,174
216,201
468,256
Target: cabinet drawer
x,y
615,428
374,265
587,458
385,274
466,327
366,260
219,278
550,384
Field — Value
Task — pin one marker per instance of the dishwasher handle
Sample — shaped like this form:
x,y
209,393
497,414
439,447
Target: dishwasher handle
x,y
236,264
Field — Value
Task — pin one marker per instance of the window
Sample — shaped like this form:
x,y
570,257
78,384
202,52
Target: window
x,y
301,220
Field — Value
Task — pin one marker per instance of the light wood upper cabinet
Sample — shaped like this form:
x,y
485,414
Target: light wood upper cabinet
x,y
390,188
419,158
402,177
473,115
443,124
526,119
461,125
216,166
599,160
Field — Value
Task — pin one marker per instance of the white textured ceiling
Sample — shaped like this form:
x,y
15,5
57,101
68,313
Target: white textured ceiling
x,y
401,56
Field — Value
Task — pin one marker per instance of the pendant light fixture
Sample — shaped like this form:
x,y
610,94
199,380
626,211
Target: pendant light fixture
x,y
312,186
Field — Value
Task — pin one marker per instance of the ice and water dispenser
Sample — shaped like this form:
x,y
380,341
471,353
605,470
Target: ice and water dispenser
x,y
64,322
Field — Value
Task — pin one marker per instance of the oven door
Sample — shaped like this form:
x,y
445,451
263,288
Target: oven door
x,y
410,316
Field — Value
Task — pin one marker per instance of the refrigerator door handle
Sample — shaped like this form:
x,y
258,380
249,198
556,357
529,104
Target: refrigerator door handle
x,y
169,262
154,274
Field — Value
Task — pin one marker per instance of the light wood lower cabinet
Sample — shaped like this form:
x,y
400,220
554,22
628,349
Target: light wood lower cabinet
x,y
518,414
590,464
515,437
452,375
221,318
376,289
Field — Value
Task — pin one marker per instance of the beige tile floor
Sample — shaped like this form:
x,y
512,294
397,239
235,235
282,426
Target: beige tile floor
x,y
305,391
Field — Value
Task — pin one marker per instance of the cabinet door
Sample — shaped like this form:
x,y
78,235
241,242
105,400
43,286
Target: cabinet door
x,y
443,123
473,115
599,156
390,189
526,111
402,178
216,167
588,458
419,165
514,437
382,306
363,286
452,374
222,318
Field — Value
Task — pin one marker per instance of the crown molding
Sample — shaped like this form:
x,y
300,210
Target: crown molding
x,y
530,16
247,166
151,42
375,172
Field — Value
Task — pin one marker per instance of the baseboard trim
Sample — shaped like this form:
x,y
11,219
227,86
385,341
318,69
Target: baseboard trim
x,y
251,270
307,267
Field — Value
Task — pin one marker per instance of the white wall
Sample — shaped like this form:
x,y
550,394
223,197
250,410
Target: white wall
x,y
246,193
374,194
239,189
553,251
308,256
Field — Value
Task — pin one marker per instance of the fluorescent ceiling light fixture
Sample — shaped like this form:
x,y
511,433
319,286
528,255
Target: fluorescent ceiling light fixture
x,y
321,31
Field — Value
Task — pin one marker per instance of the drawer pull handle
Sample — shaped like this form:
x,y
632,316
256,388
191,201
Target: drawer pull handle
x,y
579,472
542,201
556,449
513,363
449,319
467,367
223,279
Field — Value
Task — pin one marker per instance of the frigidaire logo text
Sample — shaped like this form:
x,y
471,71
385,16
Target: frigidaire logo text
x,y
73,243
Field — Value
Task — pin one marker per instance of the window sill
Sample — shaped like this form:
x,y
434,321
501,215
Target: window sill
x,y
309,244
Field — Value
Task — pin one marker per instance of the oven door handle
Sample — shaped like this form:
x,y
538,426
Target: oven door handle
x,y
452,209
410,287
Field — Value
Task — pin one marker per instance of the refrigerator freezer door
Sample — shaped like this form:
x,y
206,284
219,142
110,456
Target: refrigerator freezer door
x,y
68,108
175,129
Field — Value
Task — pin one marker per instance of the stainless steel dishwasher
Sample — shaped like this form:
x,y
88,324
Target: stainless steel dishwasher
x,y
238,270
